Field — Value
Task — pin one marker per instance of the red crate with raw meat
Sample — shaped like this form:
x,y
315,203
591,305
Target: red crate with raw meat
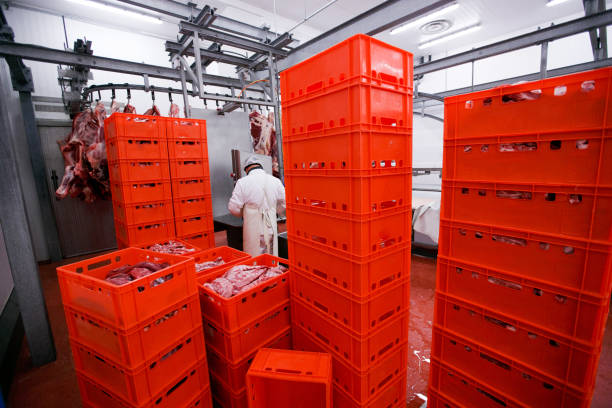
x,y
141,191
143,148
125,125
186,129
122,171
142,212
144,234
219,258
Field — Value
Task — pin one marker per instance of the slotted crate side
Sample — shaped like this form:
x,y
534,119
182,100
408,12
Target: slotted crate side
x,y
566,312
189,168
359,316
122,171
186,129
558,260
141,191
184,207
192,224
576,211
525,385
140,148
224,396
137,235
566,359
142,212
347,193
230,257
355,276
393,396
133,347
201,239
357,56
190,187
187,148
126,125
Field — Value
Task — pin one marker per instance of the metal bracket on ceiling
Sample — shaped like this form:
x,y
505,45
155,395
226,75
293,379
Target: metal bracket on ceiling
x,y
146,82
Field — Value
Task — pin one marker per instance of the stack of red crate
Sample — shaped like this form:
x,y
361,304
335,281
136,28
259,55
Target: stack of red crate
x,y
140,179
191,197
236,328
347,115
525,250
139,344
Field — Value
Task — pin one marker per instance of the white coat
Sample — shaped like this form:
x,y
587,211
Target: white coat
x,y
257,197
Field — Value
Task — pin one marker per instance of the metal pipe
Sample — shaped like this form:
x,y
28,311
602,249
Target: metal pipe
x,y
320,9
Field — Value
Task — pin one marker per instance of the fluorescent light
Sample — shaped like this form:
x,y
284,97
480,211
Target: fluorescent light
x,y
450,36
117,10
552,3
424,19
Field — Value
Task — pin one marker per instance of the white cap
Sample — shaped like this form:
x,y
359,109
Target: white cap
x,y
252,160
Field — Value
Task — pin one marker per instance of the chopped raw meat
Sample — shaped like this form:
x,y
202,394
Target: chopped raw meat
x,y
210,264
241,278
221,286
129,108
129,273
154,111
263,136
136,273
120,279
171,247
174,110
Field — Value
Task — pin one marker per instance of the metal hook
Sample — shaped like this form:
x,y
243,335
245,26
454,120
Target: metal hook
x,y
99,96
152,95
112,94
129,94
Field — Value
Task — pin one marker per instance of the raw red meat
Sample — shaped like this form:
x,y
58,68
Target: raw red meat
x,y
136,273
129,108
129,273
241,278
210,264
120,279
171,247
154,111
263,136
174,110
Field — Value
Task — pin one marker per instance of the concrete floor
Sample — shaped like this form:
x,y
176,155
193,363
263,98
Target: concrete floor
x,y
55,385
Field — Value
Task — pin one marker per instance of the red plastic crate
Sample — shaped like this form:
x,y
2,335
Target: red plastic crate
x,y
145,233
187,148
126,125
133,347
84,289
357,56
524,384
449,388
358,315
138,170
393,396
193,224
141,191
203,239
139,385
285,378
234,375
143,148
142,212
226,397
195,251
578,211
237,345
360,352
561,311
564,359
348,192
192,384
229,255
349,149
358,276
183,128
189,168
232,314
361,386
360,236
190,187
184,207
558,260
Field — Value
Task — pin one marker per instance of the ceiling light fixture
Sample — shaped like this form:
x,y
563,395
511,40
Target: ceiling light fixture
x,y
117,10
458,33
424,19
552,3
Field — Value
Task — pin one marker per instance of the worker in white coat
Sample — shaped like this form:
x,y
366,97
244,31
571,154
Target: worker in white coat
x,y
257,197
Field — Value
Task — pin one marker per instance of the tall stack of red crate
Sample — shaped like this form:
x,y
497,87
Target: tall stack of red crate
x,y
347,117
236,328
139,344
525,250
160,182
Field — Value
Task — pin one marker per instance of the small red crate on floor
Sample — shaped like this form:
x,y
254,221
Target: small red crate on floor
x,y
145,233
231,314
558,260
360,236
358,315
575,314
193,224
138,170
576,211
83,286
134,346
187,148
356,57
189,168
202,239
143,148
360,352
564,358
348,193
230,257
139,385
226,397
358,276
186,129
125,125
189,385
142,212
235,346
234,375
286,378
184,207
141,191
190,187
392,396
526,385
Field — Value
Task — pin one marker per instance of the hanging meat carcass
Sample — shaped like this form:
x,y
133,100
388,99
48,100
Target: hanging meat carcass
x,y
263,136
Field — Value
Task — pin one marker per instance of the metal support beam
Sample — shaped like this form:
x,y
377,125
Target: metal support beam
x,y
185,96
599,35
546,34
229,39
198,62
277,118
543,59
167,7
176,48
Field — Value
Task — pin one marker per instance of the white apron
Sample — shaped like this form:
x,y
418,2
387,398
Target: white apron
x,y
259,230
